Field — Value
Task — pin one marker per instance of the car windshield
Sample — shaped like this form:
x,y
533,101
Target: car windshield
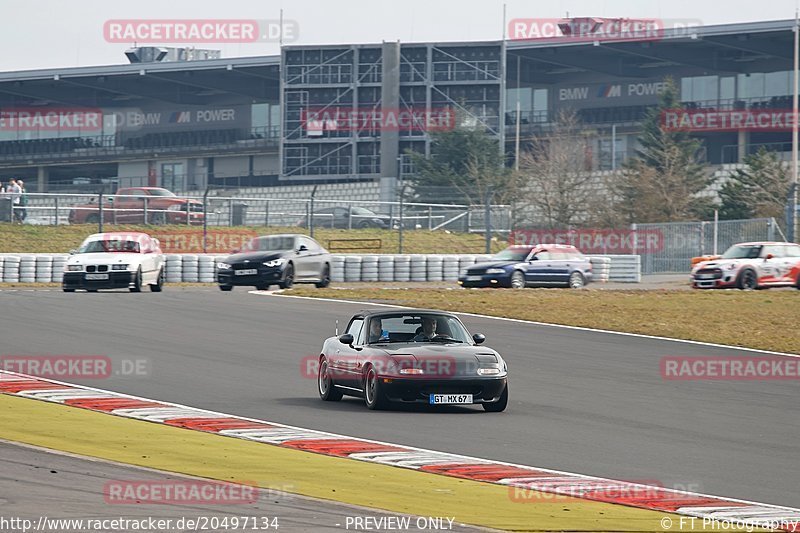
x,y
268,244
161,192
109,245
417,327
512,254
742,252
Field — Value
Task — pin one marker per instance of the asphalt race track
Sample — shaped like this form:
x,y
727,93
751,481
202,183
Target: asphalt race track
x,y
585,402
76,488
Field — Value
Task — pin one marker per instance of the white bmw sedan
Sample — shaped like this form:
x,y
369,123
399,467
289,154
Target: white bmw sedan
x,y
116,261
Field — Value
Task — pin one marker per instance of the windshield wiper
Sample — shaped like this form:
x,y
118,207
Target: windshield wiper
x,y
445,339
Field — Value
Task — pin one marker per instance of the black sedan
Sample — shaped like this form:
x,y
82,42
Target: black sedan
x,y
281,260
349,218
411,356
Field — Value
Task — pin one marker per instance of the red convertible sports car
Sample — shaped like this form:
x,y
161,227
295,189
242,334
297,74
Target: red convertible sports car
x,y
412,356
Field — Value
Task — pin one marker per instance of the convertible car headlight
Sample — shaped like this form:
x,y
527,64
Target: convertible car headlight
x,y
119,267
495,271
74,268
223,266
274,263
488,371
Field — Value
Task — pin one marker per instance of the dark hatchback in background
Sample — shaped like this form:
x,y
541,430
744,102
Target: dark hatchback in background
x,y
546,265
348,218
281,260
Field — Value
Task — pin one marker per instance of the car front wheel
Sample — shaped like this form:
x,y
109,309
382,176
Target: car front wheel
x,y
288,277
327,391
137,281
226,288
159,286
373,395
748,280
517,280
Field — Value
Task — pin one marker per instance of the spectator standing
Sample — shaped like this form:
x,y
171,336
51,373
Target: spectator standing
x,y
16,195
23,201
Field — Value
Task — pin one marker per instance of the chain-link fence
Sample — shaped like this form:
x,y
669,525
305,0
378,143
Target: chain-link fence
x,y
306,212
679,242
664,247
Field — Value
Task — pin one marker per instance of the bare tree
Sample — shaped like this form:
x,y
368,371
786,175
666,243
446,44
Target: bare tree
x,y
556,171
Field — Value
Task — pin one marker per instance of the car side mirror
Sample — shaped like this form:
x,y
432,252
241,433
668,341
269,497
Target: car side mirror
x,y
302,248
236,251
347,338
534,258
769,256
73,252
479,338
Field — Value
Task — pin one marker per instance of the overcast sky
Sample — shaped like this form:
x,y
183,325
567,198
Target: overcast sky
x,y
56,33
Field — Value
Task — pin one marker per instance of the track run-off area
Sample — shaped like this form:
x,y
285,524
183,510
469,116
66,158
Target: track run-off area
x,y
588,402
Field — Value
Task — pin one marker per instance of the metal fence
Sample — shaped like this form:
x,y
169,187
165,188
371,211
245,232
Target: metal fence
x,y
679,242
107,211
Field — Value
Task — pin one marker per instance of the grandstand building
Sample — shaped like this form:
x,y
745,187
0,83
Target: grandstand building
x,y
244,122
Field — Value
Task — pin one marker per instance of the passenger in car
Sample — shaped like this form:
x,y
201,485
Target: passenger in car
x,y
376,331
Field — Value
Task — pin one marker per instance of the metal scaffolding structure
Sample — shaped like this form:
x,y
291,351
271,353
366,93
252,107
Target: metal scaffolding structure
x,y
466,79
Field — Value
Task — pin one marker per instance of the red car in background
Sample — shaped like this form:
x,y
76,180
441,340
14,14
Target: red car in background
x,y
127,206
751,265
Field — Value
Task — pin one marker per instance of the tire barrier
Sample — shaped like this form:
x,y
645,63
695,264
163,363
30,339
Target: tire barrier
x,y
189,268
418,270
337,268
352,268
207,268
369,268
174,273
11,269
402,268
194,268
601,268
625,268
386,268
434,267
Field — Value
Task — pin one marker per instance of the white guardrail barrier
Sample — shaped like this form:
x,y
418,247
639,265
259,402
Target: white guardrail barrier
x,y
200,268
